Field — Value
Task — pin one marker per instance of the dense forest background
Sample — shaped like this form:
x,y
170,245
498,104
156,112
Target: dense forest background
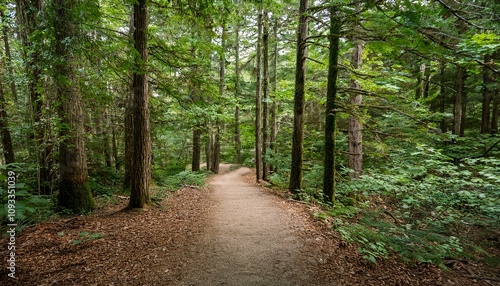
x,y
384,112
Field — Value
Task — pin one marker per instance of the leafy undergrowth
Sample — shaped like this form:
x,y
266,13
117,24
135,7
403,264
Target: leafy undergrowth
x,y
425,206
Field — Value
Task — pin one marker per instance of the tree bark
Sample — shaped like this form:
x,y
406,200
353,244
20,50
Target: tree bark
x,y
74,191
141,167
355,136
330,112
487,81
265,85
458,113
8,150
196,159
258,103
299,101
442,96
237,136
222,73
495,114
208,149
274,108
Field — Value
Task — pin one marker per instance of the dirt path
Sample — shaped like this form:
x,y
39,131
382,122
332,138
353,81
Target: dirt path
x,y
249,242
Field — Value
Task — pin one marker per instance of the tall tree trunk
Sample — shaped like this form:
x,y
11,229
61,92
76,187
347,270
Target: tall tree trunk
x,y
265,85
141,167
299,101
355,161
495,112
442,96
74,191
458,111
196,159
128,155
274,108
208,148
27,13
108,156
420,81
258,103
8,55
114,146
329,148
222,73
487,81
237,136
8,150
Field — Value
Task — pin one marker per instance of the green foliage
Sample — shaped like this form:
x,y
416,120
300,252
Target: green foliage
x,y
29,208
85,236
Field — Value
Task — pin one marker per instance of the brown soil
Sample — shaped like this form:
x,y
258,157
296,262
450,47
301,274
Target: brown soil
x,y
233,233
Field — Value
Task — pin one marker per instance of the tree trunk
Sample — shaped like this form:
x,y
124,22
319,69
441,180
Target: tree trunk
x,y
208,149
258,103
265,119
355,161
8,55
458,113
237,137
108,157
128,124
329,148
442,96
141,164
495,113
27,12
128,155
299,101
74,191
222,73
196,159
487,81
274,108
114,145
8,150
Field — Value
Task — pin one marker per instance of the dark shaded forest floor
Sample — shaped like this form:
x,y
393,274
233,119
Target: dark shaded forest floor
x,y
232,233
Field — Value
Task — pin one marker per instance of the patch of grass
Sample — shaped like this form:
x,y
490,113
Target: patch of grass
x,y
85,237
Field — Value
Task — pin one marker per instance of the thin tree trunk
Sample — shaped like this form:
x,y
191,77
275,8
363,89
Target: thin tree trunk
x,y
460,76
74,191
208,148
495,113
141,167
265,119
420,81
237,137
258,103
196,159
108,157
299,101
442,96
222,73
8,54
329,148
274,108
487,81
355,149
8,150
114,145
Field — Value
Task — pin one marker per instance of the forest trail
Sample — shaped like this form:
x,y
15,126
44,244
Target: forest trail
x,y
234,232
249,240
